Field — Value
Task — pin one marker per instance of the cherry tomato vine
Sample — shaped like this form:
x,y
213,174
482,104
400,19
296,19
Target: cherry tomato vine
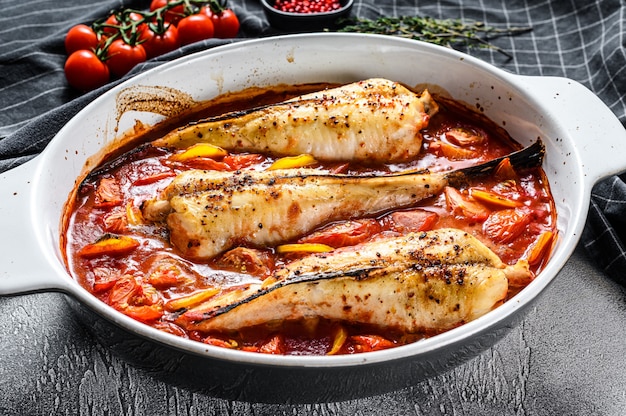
x,y
112,46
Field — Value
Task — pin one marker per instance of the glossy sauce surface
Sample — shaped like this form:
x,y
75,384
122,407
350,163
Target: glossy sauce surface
x,y
140,273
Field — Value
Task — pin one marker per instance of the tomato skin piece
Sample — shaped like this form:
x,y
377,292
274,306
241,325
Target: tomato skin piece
x,y
195,28
226,22
122,57
80,37
159,44
343,234
85,71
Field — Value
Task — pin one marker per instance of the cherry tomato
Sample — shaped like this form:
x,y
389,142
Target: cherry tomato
x,y
111,21
158,44
80,37
85,71
195,28
172,15
225,23
122,57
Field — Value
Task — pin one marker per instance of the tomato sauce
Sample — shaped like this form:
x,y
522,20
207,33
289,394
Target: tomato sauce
x,y
130,264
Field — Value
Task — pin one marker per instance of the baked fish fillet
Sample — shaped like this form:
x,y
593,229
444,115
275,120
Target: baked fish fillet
x,y
371,120
431,281
208,212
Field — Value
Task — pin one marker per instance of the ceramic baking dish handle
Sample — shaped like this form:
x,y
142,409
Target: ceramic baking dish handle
x,y
598,134
24,267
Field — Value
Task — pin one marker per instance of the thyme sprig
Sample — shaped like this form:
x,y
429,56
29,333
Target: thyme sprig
x,y
445,32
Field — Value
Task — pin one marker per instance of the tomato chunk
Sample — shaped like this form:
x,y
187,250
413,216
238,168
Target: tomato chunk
x,y
247,260
343,234
274,345
411,221
108,193
366,343
506,225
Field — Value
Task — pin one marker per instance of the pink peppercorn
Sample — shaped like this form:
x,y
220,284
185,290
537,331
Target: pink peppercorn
x,y
307,6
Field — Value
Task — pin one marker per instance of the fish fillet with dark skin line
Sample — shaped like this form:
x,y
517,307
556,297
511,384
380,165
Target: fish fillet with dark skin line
x,y
431,281
372,120
209,212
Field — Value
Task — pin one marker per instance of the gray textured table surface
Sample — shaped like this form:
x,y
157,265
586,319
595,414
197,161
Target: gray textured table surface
x,y
566,358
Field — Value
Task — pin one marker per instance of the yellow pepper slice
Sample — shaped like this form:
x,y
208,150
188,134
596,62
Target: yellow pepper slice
x,y
494,199
303,248
190,300
339,338
200,150
291,162
109,244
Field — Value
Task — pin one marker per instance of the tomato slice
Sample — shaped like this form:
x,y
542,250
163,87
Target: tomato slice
x,y
340,336
206,163
220,342
411,221
366,343
109,244
116,221
247,260
506,225
463,206
200,150
494,199
122,291
343,234
108,193
464,137
104,279
275,345
167,275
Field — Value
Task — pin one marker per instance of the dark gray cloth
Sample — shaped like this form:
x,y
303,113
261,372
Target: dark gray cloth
x,y
578,39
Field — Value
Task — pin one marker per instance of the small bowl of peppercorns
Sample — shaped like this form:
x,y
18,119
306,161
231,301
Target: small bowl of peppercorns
x,y
306,15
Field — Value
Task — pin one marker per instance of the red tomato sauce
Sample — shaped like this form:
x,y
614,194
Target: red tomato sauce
x,y
131,265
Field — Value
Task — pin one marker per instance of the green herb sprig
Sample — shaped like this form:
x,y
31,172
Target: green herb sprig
x,y
445,32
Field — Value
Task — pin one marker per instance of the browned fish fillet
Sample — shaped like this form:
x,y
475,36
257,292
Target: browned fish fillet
x,y
209,212
371,120
431,281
